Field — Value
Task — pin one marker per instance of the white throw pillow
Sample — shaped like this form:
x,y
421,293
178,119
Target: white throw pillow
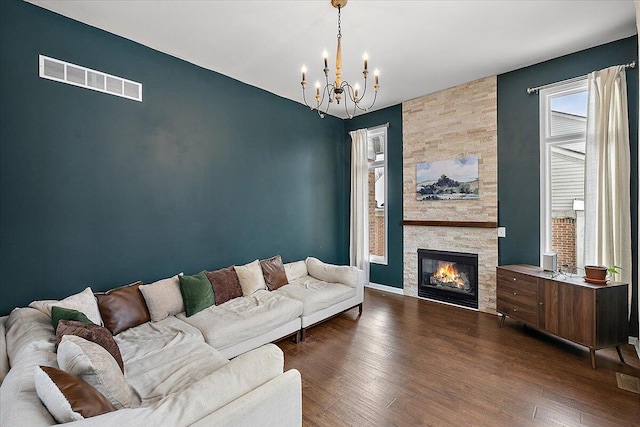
x,y
250,277
344,274
295,270
95,365
84,302
163,298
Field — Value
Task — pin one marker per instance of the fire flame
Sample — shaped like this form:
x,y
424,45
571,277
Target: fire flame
x,y
449,274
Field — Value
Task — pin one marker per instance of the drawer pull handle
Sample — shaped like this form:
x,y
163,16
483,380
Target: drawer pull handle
x,y
541,303
515,293
514,279
515,309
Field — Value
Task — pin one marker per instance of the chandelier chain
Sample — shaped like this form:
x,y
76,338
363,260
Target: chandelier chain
x,y
339,24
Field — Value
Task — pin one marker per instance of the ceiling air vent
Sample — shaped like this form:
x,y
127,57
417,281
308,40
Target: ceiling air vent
x,y
65,72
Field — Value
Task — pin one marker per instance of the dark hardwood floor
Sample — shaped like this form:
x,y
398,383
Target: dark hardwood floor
x,y
411,362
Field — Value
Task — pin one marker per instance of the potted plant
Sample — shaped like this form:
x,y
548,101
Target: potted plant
x,y
595,272
598,273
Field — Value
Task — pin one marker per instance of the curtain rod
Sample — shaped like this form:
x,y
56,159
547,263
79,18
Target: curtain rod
x,y
386,125
536,89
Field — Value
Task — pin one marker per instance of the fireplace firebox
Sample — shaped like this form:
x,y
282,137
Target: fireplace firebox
x,y
450,277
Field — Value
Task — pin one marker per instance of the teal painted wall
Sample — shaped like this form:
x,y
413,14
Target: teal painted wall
x,y
519,148
100,191
390,274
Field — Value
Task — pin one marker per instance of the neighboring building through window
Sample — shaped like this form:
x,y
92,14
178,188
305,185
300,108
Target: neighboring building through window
x,y
377,148
563,126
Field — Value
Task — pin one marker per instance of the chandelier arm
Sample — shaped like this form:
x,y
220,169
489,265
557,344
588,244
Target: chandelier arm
x,y
351,93
364,89
325,92
348,89
304,98
329,87
375,95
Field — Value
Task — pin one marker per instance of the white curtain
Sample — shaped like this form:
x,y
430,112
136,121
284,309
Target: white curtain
x,y
607,174
359,221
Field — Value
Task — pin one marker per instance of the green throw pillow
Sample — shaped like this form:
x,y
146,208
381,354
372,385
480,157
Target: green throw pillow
x,y
60,313
197,293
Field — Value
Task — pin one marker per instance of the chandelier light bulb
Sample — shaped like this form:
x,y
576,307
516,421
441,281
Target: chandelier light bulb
x,y
304,73
365,57
325,56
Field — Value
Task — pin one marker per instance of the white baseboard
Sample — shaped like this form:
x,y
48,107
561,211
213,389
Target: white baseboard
x,y
385,288
635,342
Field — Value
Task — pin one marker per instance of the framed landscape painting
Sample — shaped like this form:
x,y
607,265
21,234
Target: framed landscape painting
x,y
455,179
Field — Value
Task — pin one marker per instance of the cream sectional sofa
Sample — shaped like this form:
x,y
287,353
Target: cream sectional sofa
x,y
212,368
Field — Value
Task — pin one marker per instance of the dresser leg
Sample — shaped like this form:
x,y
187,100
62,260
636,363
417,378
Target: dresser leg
x,y
593,357
502,320
620,354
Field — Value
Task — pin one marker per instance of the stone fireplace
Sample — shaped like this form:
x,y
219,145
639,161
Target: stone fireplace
x,y
455,122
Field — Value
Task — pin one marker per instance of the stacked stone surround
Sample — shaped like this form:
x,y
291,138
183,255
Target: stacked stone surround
x,y
459,121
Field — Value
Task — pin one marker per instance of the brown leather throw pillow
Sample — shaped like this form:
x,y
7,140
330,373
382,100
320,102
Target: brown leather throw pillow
x,y
273,272
123,308
83,398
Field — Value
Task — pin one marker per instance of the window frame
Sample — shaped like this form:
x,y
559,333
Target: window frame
x,y
373,132
547,143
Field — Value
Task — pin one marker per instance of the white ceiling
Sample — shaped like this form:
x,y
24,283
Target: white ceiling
x,y
420,47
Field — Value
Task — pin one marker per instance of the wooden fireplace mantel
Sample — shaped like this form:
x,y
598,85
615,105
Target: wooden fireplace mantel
x,y
471,224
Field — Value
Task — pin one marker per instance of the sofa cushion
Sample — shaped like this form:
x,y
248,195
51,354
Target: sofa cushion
x,y
67,397
165,357
250,277
163,298
295,270
225,284
59,313
197,293
123,308
94,333
316,294
95,365
243,318
344,274
273,272
84,302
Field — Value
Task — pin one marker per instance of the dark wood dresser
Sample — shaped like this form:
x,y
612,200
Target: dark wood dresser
x,y
595,316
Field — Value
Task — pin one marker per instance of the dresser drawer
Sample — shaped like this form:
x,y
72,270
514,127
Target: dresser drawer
x,y
513,278
524,294
526,313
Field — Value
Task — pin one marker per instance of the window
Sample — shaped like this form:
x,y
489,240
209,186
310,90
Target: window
x,y
563,126
377,147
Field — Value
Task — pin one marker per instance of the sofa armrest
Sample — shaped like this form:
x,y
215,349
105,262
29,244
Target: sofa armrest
x,y
4,358
344,274
276,403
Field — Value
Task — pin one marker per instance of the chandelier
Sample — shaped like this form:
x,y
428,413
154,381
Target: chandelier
x,y
334,91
